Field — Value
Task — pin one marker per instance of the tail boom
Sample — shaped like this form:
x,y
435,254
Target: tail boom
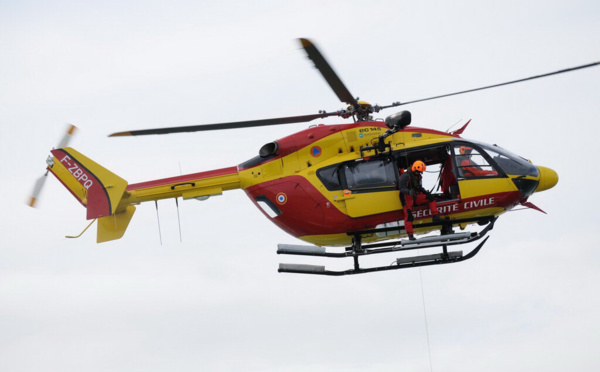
x,y
112,201
188,186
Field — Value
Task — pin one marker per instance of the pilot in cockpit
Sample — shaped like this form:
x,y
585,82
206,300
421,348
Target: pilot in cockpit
x,y
468,166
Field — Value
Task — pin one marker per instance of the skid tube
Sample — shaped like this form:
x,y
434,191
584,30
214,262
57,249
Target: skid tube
x,y
396,245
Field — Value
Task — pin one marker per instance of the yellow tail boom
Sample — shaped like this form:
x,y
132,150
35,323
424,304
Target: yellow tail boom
x,y
111,200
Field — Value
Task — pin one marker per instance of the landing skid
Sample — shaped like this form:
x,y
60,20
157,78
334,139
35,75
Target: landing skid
x,y
397,245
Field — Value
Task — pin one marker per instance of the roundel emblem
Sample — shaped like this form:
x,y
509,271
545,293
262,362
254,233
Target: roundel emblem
x,y
281,198
316,151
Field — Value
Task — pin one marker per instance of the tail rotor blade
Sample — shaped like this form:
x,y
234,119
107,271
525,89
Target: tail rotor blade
x,y
39,183
64,141
37,189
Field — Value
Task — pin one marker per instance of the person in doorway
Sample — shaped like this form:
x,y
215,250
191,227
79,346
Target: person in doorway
x,y
412,194
448,182
469,167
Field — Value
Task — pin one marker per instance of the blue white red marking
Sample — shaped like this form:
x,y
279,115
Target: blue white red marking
x,y
281,198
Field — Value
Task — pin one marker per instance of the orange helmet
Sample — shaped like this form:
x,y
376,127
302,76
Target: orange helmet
x,y
465,150
418,166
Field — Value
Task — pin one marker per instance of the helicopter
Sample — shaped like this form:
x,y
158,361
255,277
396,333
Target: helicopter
x,y
335,187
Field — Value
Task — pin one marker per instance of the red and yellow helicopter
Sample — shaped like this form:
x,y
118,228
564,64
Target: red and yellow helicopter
x,y
334,185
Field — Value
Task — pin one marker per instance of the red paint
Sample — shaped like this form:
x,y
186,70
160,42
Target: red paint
x,y
184,178
428,131
304,138
281,198
308,212
419,199
98,202
462,129
66,187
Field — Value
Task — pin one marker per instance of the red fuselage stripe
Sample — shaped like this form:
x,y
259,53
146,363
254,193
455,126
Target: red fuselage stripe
x,y
184,178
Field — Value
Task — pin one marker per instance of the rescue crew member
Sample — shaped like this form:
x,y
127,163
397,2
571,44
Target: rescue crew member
x,y
469,167
412,194
448,182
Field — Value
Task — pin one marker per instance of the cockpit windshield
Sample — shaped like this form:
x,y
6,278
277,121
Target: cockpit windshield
x,y
510,163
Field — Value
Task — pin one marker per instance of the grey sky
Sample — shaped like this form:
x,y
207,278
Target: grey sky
x,y
216,302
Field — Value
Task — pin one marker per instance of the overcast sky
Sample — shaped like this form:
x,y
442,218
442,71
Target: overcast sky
x,y
215,302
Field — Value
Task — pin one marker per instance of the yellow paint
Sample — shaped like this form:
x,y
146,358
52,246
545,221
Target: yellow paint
x,y
548,179
339,147
81,233
272,169
106,177
205,186
113,227
366,204
330,240
471,188
61,172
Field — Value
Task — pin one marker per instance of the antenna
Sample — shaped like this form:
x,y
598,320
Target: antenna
x,y
158,219
178,220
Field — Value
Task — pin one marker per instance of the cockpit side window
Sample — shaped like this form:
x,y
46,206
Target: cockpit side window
x,y
330,176
471,163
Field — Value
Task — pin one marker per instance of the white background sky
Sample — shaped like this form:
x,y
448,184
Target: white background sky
x,y
528,301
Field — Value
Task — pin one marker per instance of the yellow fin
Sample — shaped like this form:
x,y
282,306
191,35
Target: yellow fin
x,y
113,227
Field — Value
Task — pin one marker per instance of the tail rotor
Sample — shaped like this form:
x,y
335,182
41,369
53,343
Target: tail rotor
x,y
39,183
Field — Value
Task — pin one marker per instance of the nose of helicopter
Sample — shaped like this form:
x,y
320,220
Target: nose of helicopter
x,y
548,179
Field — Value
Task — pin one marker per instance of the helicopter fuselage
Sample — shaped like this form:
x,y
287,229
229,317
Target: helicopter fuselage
x,y
319,184
327,182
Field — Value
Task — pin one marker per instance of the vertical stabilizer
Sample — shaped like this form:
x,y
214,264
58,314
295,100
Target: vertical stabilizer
x,y
97,188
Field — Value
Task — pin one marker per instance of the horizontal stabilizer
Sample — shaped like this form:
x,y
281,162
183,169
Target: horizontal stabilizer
x,y
113,227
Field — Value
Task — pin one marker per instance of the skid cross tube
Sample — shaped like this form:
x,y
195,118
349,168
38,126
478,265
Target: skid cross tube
x,y
384,247
429,260
357,250
445,222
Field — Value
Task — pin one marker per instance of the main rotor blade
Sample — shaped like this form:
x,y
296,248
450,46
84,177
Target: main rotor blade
x,y
495,85
232,125
330,76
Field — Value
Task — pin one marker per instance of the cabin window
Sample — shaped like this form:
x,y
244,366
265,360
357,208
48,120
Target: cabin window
x,y
370,175
471,163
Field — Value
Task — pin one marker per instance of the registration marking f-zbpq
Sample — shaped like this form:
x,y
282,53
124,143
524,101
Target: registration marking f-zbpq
x,y
77,172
